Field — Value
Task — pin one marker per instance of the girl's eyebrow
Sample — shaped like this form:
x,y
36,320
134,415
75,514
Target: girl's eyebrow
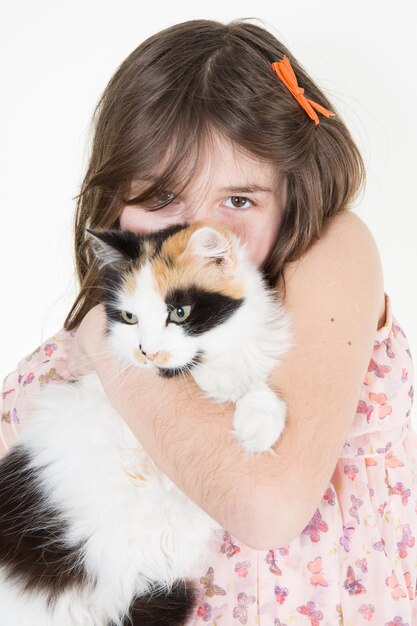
x,y
249,189
235,189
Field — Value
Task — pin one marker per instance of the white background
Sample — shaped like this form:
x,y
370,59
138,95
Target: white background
x,y
56,59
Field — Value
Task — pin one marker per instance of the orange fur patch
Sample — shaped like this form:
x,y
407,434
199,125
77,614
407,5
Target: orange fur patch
x,y
163,357
139,356
174,271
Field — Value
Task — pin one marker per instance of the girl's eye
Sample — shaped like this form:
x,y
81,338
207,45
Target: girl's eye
x,y
164,197
180,313
128,318
239,202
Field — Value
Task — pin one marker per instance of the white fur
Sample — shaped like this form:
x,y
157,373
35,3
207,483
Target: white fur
x,y
137,531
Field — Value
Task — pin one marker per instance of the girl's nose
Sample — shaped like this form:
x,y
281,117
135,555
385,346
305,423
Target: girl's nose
x,y
201,213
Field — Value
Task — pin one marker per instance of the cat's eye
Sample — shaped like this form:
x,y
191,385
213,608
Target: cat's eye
x,y
128,318
180,313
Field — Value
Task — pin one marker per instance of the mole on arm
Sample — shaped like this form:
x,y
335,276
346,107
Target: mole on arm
x,y
332,320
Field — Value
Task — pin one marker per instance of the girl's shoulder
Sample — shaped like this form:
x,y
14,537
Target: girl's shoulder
x,y
345,243
45,364
341,228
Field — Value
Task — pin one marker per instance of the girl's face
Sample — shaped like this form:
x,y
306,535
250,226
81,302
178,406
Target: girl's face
x,y
228,188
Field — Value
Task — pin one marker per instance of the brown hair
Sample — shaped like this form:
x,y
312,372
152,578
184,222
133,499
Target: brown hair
x,y
164,99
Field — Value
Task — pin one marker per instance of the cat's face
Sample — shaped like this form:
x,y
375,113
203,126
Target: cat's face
x,y
164,292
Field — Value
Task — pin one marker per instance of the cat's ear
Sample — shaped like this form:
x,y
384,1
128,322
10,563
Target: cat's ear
x,y
208,243
113,247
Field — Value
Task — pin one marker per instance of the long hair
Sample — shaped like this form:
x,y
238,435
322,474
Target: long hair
x,y
157,111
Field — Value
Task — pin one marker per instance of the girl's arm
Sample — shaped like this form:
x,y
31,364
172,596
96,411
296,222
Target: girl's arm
x,y
334,297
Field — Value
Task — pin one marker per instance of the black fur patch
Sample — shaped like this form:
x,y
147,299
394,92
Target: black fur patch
x,y
111,285
208,309
32,532
160,608
125,242
172,372
158,237
130,244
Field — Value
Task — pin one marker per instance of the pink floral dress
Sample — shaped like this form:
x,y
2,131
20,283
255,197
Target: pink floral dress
x,y
355,562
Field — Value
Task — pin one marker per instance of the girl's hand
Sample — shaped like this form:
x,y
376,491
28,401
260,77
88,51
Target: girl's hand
x,y
89,343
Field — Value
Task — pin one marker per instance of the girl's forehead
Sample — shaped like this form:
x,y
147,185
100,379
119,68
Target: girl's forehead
x,y
218,165
219,151
227,165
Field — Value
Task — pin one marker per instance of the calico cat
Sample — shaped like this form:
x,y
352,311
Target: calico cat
x,y
91,532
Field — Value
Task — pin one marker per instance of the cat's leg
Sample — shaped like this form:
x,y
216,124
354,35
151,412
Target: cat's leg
x,y
259,418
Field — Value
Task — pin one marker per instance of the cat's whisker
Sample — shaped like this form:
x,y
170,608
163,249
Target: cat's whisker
x,y
91,358
127,385
194,361
101,353
186,384
118,373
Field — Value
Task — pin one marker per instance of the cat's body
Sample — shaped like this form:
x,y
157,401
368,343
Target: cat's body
x,y
87,522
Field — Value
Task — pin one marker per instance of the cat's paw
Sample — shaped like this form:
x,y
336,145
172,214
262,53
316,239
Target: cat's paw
x,y
259,419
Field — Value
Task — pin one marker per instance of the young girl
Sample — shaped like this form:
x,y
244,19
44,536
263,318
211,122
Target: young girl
x,y
213,122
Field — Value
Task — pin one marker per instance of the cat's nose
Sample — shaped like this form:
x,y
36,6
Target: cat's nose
x,y
149,355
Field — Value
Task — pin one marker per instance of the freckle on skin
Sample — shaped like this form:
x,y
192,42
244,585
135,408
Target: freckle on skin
x,y
350,343
332,319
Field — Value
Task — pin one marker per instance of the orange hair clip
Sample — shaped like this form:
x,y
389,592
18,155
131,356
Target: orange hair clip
x,y
285,72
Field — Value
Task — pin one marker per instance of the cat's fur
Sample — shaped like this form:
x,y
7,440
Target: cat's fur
x,y
91,532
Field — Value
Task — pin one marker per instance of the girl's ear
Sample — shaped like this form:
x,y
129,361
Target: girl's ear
x,y
113,247
213,246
